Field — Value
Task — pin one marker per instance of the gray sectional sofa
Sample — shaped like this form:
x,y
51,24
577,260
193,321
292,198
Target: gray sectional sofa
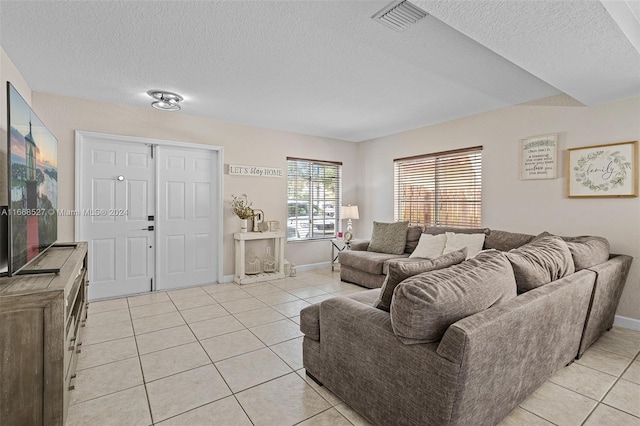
x,y
477,359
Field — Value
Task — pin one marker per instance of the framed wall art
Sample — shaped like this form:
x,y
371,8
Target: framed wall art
x,y
603,170
539,157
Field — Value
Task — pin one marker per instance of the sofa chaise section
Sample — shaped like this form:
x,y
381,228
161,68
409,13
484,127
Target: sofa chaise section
x,y
611,277
482,368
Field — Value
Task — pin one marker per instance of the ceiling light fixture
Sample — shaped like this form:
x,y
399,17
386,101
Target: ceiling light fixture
x,y
165,101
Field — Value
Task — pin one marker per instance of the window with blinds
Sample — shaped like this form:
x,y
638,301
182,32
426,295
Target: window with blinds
x,y
440,189
313,196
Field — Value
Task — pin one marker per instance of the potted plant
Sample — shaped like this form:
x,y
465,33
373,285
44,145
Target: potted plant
x,y
241,207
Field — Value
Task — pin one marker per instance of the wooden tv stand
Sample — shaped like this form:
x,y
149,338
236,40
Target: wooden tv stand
x,y
41,319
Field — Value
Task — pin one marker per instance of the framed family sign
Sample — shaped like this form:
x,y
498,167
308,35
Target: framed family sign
x,y
603,170
539,157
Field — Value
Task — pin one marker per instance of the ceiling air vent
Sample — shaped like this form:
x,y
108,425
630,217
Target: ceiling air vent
x,y
399,15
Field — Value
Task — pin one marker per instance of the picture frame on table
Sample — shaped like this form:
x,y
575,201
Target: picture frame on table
x,y
603,171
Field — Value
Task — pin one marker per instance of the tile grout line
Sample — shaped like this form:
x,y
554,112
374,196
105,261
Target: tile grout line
x,y
324,411
218,371
267,347
190,369
618,379
269,306
534,414
144,383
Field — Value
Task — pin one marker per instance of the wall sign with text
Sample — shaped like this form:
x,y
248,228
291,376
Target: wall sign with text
x,y
237,170
539,157
603,170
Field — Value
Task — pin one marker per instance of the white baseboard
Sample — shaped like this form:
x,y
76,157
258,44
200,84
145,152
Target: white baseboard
x,y
299,268
312,266
624,322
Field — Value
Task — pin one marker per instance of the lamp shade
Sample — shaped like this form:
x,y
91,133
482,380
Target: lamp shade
x,y
350,212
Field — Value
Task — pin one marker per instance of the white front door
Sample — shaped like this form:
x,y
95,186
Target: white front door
x,y
187,234
116,209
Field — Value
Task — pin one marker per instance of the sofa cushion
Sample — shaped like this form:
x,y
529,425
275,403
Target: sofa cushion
x,y
430,246
413,236
400,270
435,230
505,241
359,245
425,305
368,297
385,266
388,238
473,243
588,251
540,262
366,261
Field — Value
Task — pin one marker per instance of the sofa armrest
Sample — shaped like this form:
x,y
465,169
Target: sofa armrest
x,y
610,279
359,245
310,321
364,363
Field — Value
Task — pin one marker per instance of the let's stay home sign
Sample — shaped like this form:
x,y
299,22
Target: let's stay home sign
x,y
238,170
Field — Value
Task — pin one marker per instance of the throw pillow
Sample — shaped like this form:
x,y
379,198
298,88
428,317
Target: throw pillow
x,y
425,305
430,246
540,262
541,235
413,236
400,271
588,251
388,237
505,241
473,243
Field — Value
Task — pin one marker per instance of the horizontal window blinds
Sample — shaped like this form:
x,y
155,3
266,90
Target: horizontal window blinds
x,y
441,189
314,198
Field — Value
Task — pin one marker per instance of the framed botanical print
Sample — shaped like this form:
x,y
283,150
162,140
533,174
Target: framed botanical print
x,y
603,170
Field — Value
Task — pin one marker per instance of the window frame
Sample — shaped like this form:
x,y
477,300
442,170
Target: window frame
x,y
449,193
313,181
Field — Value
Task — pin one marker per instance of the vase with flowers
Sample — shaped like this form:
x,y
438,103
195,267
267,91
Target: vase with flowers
x,y
241,207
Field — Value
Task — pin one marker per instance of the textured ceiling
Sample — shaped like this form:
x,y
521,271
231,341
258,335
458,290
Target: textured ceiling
x,y
322,67
575,46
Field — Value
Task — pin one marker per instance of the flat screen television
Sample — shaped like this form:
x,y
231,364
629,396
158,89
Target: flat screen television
x,y
32,154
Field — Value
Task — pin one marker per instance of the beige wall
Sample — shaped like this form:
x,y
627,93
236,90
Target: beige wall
x,y
8,72
507,202
242,145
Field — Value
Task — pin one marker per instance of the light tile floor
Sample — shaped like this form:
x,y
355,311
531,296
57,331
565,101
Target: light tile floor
x,y
226,354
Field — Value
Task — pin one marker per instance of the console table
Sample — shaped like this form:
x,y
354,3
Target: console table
x,y
241,239
41,335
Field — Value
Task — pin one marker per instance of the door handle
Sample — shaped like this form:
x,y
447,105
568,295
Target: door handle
x,y
149,228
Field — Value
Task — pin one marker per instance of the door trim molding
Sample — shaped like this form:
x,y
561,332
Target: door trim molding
x,y
81,134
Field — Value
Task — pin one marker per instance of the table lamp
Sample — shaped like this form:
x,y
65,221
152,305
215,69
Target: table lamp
x,y
349,212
